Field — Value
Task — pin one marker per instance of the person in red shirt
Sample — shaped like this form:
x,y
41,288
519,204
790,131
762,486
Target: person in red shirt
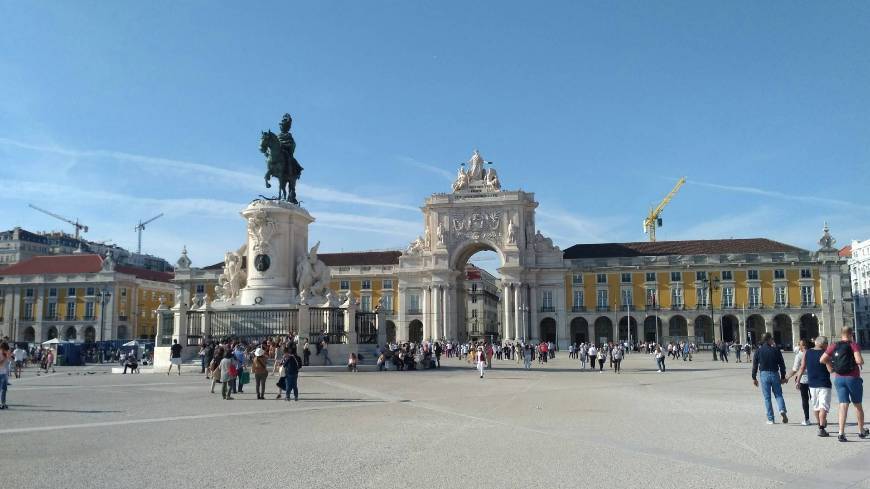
x,y
844,359
542,349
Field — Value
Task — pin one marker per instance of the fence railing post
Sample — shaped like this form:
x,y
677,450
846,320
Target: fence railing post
x,y
350,326
303,321
381,324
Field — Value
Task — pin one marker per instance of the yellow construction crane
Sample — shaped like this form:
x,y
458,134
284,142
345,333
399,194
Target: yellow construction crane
x,y
654,220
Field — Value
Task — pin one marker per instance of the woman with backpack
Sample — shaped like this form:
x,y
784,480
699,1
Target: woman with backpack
x,y
844,358
229,371
660,358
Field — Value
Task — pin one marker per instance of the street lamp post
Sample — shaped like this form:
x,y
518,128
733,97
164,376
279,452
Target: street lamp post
x,y
523,309
712,285
104,295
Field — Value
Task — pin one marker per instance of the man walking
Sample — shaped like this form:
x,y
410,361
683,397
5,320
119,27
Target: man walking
x,y
20,357
769,361
845,360
819,381
174,357
292,364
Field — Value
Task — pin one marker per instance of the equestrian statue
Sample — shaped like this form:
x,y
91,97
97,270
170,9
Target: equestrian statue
x,y
280,162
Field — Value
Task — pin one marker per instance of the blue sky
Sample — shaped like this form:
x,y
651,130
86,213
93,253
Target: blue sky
x,y
116,111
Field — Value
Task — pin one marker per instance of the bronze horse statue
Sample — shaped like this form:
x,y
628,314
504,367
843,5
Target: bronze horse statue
x,y
280,164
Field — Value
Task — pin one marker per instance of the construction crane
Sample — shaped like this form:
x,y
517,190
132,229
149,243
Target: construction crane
x,y
654,219
79,226
141,226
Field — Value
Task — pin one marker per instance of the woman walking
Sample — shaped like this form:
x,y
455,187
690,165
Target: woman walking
x,y
602,357
229,371
584,356
5,359
215,368
481,360
593,355
260,371
802,382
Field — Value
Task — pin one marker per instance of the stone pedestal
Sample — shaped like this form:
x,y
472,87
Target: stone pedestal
x,y
277,238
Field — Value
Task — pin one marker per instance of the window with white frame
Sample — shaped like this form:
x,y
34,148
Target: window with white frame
x,y
700,276
806,295
414,303
52,292
602,298
71,292
779,274
652,297
625,296
70,310
200,289
387,302
727,297
365,303
625,278
577,278
727,275
701,294
344,284
806,273
780,296
754,296
601,278
28,311
90,291
676,276
388,283
650,277
52,310
366,284
28,293
677,296
578,298
547,300
89,310
752,274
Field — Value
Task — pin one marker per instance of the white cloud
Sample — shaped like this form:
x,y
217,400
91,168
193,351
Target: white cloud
x,y
235,178
426,166
781,195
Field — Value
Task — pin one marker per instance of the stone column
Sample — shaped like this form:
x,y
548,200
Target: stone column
x,y
533,324
616,330
510,329
741,328
381,324
590,327
402,326
428,331
690,327
445,312
519,317
38,314
436,310
795,333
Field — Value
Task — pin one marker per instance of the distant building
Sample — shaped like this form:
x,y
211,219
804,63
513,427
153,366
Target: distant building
x,y
61,296
859,267
18,245
481,303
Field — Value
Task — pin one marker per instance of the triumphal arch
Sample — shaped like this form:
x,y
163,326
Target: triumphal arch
x,y
478,214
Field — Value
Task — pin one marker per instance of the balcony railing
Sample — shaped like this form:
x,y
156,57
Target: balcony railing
x,y
69,317
89,318
415,311
578,308
548,309
52,318
702,306
602,308
755,305
678,307
808,305
122,318
653,308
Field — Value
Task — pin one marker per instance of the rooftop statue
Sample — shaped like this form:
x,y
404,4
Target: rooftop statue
x,y
477,174
280,162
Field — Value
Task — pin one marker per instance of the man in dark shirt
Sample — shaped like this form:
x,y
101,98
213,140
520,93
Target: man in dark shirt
x,y
292,364
175,357
768,359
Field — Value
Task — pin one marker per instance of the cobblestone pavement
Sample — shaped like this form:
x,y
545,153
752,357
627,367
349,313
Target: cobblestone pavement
x,y
701,424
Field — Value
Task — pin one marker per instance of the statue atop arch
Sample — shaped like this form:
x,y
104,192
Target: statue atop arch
x,y
476,176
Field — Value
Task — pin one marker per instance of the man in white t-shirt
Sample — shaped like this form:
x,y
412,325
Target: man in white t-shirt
x,y
20,357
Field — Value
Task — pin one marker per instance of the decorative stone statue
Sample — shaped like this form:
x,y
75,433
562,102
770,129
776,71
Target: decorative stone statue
x,y
280,160
313,277
183,262
233,280
475,167
108,262
492,182
461,182
512,232
416,247
827,242
442,236
261,228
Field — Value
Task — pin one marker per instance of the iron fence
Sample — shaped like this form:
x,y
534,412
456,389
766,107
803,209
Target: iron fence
x,y
165,333
328,322
253,325
193,329
366,328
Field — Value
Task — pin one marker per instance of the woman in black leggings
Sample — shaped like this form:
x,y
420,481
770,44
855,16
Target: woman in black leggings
x,y
802,383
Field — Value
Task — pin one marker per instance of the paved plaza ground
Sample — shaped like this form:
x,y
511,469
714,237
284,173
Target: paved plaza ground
x,y
701,424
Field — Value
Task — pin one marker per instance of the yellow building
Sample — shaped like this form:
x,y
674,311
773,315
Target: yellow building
x,y
64,296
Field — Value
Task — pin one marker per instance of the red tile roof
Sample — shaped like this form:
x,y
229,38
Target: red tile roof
x,y
57,264
65,264
846,251
689,247
144,274
361,258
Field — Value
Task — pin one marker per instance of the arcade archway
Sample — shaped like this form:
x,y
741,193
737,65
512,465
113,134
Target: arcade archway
x,y
548,329
678,327
730,328
754,329
809,327
652,329
603,330
579,330
782,330
704,329
626,322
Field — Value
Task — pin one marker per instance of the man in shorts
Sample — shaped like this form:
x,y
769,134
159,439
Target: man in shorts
x,y
844,359
20,357
175,357
819,382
